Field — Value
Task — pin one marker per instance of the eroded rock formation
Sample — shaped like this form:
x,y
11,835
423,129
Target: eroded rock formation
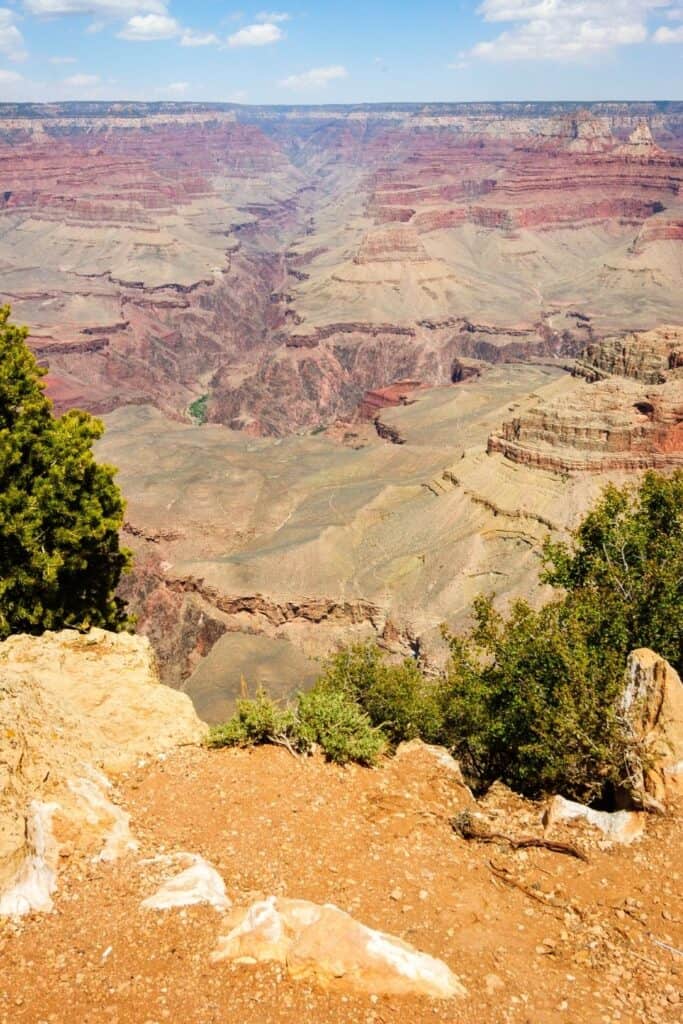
x,y
630,415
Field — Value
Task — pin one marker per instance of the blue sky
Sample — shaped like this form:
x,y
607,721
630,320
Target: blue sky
x,y
341,52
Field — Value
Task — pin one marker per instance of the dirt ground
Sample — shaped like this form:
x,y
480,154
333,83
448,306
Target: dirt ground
x,y
535,936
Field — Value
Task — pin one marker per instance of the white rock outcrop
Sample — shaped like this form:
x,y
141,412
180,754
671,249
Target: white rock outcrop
x,y
199,882
617,826
75,710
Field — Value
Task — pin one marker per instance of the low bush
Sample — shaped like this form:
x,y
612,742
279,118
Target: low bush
x,y
255,721
325,718
339,726
397,698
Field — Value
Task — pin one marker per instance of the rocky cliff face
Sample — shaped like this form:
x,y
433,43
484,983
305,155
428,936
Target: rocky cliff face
x,y
651,357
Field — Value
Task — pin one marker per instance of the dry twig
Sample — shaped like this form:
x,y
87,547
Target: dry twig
x,y
467,826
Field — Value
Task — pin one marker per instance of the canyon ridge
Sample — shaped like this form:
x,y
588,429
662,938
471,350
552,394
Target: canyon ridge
x,y
355,363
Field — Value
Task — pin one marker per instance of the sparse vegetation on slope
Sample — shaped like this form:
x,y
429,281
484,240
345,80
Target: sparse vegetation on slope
x,y
531,698
197,409
60,511
328,719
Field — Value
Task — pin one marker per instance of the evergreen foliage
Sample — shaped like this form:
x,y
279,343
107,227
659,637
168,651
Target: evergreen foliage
x,y
60,511
396,698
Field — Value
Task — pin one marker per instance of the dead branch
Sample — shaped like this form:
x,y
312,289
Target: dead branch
x,y
557,909
282,741
467,826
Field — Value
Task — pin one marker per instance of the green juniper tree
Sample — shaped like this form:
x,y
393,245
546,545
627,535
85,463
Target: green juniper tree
x,y
533,698
60,511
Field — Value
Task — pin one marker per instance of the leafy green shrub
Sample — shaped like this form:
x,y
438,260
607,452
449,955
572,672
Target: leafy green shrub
x,y
255,721
397,698
60,510
331,720
533,699
625,566
528,701
198,409
339,726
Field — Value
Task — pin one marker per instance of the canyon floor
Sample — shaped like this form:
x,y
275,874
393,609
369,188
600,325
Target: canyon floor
x,y
537,937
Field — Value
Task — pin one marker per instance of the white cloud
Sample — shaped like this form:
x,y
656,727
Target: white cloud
x,y
81,81
147,27
11,39
10,76
256,35
316,78
564,29
174,89
669,35
272,16
106,8
190,37
62,60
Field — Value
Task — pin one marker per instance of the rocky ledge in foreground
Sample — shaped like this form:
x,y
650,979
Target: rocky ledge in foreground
x,y
232,884
75,711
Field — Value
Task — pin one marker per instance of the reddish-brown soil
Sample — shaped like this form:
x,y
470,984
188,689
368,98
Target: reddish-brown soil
x,y
537,937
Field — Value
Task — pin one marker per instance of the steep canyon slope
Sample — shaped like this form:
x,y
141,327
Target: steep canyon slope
x,y
317,283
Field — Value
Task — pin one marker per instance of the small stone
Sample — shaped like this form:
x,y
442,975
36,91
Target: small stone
x,y
493,983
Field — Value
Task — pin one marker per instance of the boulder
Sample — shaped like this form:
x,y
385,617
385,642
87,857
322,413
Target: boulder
x,y
617,826
199,882
326,945
74,710
652,707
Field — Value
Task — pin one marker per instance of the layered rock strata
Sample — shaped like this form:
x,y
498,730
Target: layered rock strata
x,y
606,426
629,417
277,266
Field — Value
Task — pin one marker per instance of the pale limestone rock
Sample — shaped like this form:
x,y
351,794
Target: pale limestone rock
x,y
36,880
324,944
652,705
640,143
618,826
197,883
103,815
73,707
110,681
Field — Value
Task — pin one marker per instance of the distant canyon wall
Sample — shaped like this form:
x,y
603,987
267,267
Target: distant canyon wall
x,y
280,262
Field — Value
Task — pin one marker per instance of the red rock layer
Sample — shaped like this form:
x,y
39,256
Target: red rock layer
x,y
382,398
239,330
